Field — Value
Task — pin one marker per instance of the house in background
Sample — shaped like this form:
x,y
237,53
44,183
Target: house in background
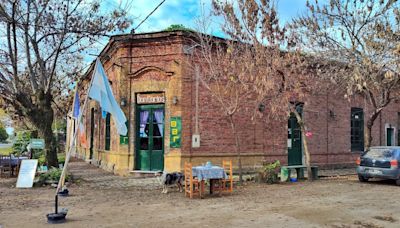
x,y
152,77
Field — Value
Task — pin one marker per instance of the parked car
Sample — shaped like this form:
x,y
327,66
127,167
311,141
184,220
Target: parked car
x,y
379,162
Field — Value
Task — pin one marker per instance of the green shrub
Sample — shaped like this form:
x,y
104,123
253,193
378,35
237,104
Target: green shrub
x,y
61,158
21,140
177,27
3,134
269,172
52,175
42,158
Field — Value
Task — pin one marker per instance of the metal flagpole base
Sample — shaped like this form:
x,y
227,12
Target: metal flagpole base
x,y
64,192
57,217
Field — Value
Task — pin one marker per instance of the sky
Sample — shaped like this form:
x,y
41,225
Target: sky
x,y
186,12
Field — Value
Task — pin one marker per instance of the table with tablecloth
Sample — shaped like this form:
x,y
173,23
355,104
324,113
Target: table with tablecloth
x,y
212,173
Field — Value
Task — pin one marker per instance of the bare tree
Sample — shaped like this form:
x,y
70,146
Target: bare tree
x,y
40,55
226,79
256,62
361,36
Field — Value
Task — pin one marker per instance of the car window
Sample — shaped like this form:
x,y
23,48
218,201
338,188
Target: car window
x,y
379,153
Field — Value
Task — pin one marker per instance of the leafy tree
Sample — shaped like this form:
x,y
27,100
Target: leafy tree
x,y
3,134
41,49
361,37
175,27
5,120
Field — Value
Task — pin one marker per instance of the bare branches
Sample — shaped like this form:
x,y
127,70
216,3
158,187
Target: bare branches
x,y
40,34
363,36
250,69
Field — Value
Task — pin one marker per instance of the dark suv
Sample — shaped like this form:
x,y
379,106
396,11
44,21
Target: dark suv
x,y
379,162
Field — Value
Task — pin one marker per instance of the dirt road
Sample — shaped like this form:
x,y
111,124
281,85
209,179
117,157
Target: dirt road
x,y
324,203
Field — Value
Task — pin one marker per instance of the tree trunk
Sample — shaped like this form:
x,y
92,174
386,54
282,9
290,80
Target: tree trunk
x,y
304,139
237,141
368,130
42,116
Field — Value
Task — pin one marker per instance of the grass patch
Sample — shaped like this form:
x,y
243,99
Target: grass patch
x,y
6,151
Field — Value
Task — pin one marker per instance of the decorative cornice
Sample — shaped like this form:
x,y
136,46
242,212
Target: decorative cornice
x,y
146,69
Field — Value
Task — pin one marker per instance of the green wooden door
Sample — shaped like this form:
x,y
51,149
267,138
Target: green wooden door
x,y
150,137
389,136
295,155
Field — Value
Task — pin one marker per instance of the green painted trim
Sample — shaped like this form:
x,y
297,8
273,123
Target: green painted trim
x,y
150,108
107,136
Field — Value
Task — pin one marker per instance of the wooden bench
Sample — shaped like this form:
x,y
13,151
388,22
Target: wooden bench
x,y
300,171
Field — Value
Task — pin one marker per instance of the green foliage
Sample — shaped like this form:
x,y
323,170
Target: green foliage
x,y
21,140
61,158
42,158
269,172
3,134
5,151
59,125
178,27
52,175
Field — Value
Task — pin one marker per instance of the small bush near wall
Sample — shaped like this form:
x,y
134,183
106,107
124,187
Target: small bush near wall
x,y
52,176
269,173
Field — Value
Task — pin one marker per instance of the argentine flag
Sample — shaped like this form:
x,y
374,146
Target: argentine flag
x,y
77,104
101,92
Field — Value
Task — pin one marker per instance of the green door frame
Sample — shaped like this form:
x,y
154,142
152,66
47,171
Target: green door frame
x,y
295,152
152,154
91,145
389,136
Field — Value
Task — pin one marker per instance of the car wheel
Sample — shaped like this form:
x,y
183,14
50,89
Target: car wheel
x,y
361,178
398,182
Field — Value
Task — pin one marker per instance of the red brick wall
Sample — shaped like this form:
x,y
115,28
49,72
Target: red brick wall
x,y
330,143
265,139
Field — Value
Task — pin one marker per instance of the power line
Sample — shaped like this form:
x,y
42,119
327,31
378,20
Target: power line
x,y
133,31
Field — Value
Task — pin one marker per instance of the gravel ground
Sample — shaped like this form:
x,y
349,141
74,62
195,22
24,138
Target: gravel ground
x,y
99,199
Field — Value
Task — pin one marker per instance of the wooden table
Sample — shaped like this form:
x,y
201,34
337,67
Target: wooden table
x,y
211,173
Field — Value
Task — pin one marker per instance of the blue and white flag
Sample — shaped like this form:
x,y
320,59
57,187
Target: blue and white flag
x,y
77,105
101,92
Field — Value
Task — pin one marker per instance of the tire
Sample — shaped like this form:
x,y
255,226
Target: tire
x,y
361,178
398,182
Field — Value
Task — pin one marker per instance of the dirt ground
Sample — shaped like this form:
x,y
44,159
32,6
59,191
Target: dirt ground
x,y
341,202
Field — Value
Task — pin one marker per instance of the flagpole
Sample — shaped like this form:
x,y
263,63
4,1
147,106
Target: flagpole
x,y
71,142
68,155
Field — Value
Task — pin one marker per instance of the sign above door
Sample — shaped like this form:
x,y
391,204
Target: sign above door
x,y
150,98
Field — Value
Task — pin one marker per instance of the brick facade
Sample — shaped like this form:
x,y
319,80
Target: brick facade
x,y
157,62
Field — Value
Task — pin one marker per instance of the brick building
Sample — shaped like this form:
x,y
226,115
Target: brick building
x,y
152,77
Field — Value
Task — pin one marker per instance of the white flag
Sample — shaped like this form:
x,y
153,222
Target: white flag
x,y
101,92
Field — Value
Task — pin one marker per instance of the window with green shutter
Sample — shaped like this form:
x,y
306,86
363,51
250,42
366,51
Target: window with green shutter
x,y
108,132
124,139
357,129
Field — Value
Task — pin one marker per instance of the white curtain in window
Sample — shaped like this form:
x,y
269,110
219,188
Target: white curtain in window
x,y
159,115
144,116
